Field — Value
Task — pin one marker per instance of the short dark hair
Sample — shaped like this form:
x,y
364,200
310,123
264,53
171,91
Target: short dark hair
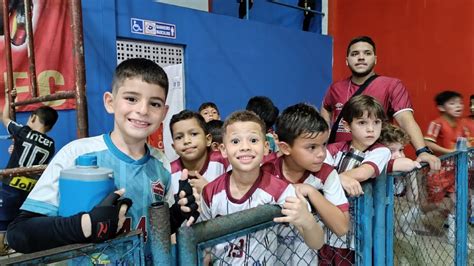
x,y
208,104
185,115
214,127
299,119
243,116
359,104
47,116
444,96
263,107
147,70
357,39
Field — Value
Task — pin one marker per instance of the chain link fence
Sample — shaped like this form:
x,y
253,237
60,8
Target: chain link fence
x,y
425,213
125,250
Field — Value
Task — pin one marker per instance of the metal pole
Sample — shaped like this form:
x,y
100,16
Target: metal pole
x,y
31,49
8,59
160,232
379,219
79,67
389,221
364,237
461,208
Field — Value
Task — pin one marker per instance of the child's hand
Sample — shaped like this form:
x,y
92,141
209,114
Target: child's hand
x,y
188,199
304,189
405,164
351,186
296,211
198,183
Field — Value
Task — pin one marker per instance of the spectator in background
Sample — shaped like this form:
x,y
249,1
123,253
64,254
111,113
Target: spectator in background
x,y
192,142
31,146
214,127
209,111
441,137
390,92
268,112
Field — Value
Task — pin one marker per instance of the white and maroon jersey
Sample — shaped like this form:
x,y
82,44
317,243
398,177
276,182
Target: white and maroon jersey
x,y
377,156
214,167
327,180
390,92
258,248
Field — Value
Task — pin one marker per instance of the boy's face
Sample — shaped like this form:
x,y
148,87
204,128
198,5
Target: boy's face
x,y
307,152
189,140
361,59
365,131
453,107
472,107
243,144
209,114
138,108
397,149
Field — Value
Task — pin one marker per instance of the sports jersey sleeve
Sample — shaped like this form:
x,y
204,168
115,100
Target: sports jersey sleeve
x,y
334,192
44,198
329,99
433,132
399,98
377,158
14,127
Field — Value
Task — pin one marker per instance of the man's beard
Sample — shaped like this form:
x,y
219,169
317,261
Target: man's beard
x,y
363,74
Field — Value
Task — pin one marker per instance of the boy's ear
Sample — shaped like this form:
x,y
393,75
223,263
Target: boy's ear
x,y
346,125
441,108
109,102
208,140
223,150
284,147
266,148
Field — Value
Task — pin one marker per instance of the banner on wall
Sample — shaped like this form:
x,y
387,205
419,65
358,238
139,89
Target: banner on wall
x,y
53,52
161,139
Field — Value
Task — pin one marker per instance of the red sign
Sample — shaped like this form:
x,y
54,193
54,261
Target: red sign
x,y
53,52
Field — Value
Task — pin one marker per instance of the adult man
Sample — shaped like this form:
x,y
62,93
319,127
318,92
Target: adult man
x,y
392,94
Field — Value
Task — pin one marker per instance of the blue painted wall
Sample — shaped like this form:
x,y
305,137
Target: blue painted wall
x,y
227,60
270,13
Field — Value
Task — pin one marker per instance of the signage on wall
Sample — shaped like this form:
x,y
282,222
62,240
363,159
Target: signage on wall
x,y
152,28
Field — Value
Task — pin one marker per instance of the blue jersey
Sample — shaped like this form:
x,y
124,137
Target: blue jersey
x,y
146,180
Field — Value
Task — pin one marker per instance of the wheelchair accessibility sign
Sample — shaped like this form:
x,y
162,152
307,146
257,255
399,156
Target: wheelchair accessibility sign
x,y
152,28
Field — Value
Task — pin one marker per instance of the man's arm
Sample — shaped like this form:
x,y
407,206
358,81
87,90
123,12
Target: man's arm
x,y
438,149
23,234
326,115
407,122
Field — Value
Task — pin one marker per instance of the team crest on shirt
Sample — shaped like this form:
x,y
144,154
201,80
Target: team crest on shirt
x,y
158,190
339,106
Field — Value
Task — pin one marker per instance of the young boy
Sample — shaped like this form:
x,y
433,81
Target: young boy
x,y
31,146
303,134
191,141
209,111
396,139
137,100
248,186
357,160
214,127
441,138
268,112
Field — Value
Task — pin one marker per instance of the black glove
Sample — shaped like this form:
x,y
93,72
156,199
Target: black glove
x,y
188,190
105,217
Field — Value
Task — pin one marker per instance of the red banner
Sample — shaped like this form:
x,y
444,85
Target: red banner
x,y
53,52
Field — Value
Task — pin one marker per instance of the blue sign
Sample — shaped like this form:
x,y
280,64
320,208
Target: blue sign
x,y
152,28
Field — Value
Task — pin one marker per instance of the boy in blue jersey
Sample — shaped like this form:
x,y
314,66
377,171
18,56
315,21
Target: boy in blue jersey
x,y
137,100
